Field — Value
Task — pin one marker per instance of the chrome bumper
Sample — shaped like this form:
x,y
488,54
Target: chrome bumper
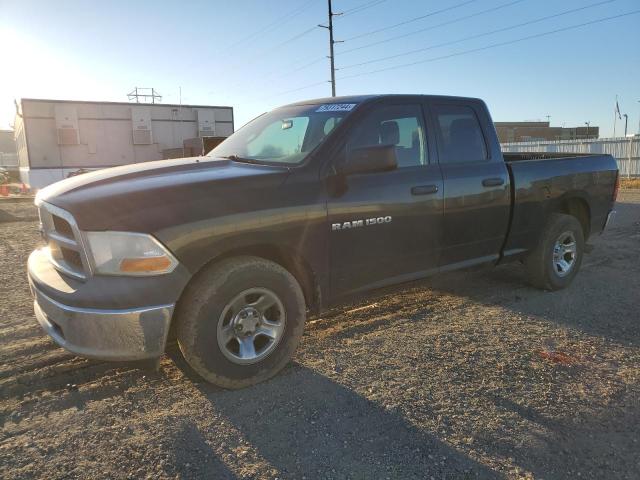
x,y
132,334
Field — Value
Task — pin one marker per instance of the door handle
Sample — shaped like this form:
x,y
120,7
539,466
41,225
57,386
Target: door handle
x,y
492,182
424,190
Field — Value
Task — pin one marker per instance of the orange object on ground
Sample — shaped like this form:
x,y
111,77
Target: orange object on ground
x,y
557,357
4,190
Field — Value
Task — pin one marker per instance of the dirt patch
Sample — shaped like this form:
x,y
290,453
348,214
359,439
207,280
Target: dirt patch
x,y
7,217
470,375
11,211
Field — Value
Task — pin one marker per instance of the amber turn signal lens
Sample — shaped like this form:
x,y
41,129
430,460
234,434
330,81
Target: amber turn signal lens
x,y
145,264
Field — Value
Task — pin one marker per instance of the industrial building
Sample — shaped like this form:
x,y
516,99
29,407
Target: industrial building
x,y
56,138
538,131
8,156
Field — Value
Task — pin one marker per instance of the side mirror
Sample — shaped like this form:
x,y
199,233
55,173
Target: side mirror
x,y
370,159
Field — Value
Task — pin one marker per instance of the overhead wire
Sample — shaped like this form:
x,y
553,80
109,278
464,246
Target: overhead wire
x,y
273,25
296,67
346,12
285,42
483,34
304,87
359,8
433,27
411,20
494,45
350,11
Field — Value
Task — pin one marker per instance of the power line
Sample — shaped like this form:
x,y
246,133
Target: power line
x,y
494,45
361,7
484,34
306,65
296,67
304,87
285,42
466,52
305,32
273,25
411,20
433,27
263,53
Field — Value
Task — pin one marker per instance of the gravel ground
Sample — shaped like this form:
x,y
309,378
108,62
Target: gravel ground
x,y
447,379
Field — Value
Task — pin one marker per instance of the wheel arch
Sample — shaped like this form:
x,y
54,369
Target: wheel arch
x,y
576,204
290,260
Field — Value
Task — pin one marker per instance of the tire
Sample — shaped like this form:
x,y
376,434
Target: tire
x,y
223,312
544,265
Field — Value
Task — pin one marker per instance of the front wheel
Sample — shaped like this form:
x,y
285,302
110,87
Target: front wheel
x,y
556,260
240,321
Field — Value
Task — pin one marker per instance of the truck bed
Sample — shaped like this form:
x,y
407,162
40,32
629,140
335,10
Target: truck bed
x,y
540,183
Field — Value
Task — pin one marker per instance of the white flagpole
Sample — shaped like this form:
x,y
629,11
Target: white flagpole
x,y
615,117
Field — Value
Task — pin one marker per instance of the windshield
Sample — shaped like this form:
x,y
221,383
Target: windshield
x,y
285,135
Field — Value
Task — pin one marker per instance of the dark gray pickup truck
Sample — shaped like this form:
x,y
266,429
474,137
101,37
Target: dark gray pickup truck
x,y
304,207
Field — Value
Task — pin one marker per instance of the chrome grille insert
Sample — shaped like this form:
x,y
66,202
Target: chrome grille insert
x,y
65,241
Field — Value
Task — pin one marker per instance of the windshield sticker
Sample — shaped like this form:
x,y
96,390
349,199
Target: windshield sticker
x,y
336,107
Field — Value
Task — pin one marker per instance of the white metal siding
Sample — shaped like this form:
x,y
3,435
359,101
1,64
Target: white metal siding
x,y
66,124
21,142
626,151
206,123
105,133
141,125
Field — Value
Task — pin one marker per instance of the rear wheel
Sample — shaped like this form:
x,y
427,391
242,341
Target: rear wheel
x,y
240,321
557,258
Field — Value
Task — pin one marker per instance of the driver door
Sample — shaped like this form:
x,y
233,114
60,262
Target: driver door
x,y
385,226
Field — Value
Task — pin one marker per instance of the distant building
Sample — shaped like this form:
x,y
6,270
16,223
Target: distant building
x,y
536,131
8,155
57,137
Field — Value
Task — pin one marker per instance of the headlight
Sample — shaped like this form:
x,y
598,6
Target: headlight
x,y
126,253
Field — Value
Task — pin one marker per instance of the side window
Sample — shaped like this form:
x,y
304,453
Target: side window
x,y
399,125
319,127
459,134
330,124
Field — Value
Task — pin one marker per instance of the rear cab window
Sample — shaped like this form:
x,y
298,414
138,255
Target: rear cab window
x,y
460,137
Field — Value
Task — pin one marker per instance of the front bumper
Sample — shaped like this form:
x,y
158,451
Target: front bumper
x,y
97,318
133,334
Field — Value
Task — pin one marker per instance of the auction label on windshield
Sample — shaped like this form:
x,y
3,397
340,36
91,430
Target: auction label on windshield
x,y
336,107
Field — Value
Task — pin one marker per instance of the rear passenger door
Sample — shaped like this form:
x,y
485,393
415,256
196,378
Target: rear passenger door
x,y
476,184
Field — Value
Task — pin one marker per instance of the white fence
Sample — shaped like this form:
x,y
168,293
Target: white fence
x,y
9,161
625,150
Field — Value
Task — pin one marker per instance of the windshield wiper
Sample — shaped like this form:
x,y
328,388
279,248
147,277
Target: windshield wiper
x,y
236,158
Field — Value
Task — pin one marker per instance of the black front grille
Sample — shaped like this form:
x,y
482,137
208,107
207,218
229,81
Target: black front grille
x,y
62,226
71,257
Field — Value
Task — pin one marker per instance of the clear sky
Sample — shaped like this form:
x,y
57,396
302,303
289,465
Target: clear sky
x,y
255,55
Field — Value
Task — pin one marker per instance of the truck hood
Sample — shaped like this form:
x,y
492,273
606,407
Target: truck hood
x,y
148,196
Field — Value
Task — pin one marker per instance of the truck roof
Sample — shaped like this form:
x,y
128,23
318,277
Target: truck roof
x,y
363,98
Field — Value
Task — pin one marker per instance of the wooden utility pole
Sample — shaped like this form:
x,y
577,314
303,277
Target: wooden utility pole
x,y
331,43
